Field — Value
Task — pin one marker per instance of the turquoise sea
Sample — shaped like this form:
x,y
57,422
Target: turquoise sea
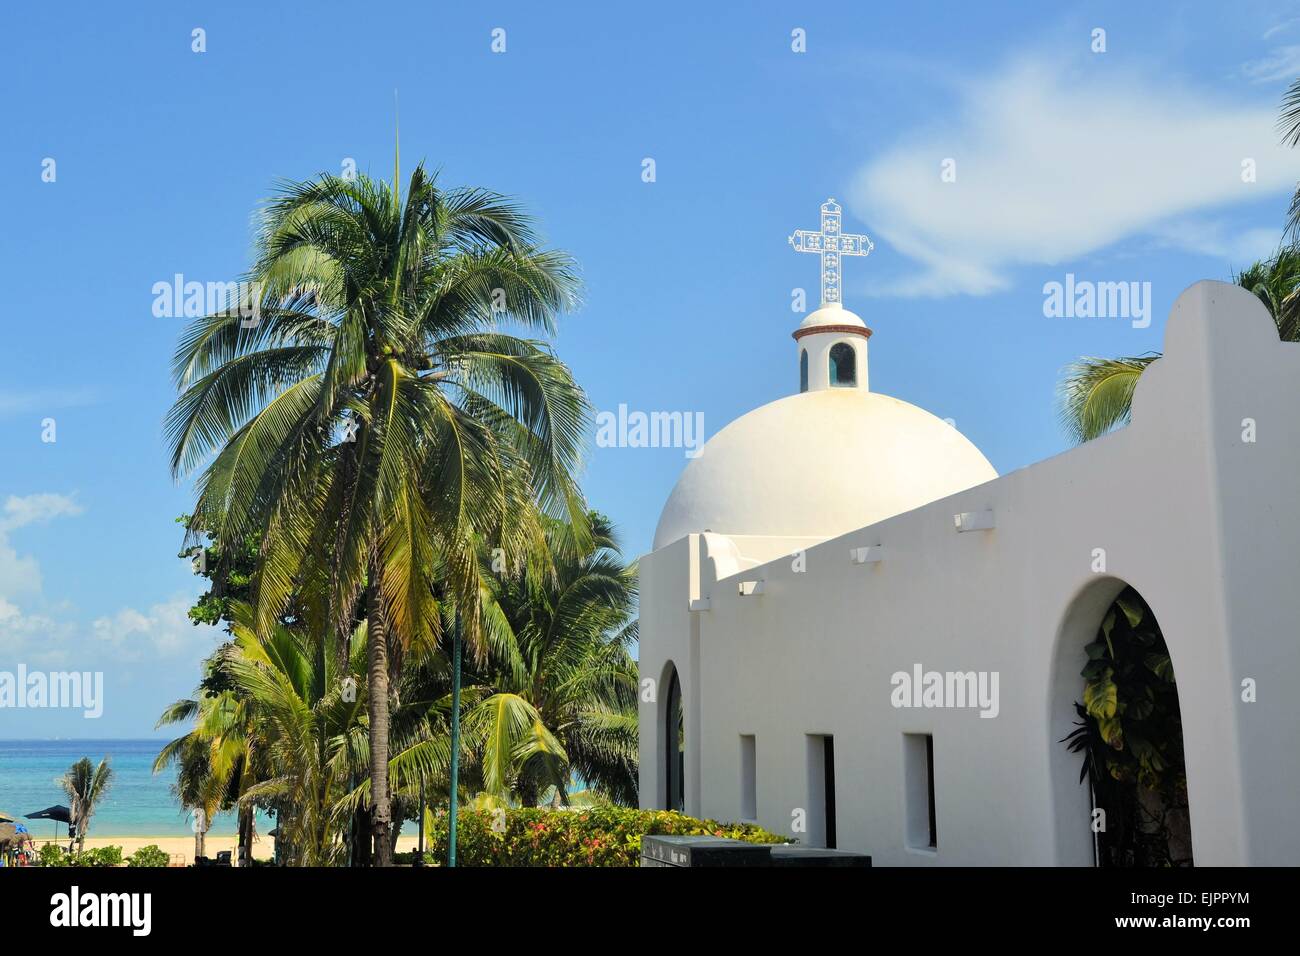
x,y
138,804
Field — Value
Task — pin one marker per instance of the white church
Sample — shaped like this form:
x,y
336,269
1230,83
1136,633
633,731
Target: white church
x,y
834,539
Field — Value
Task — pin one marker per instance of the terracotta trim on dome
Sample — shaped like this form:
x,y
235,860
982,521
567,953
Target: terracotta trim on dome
x,y
861,330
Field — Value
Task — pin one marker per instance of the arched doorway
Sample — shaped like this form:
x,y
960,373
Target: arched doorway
x,y
1115,679
674,745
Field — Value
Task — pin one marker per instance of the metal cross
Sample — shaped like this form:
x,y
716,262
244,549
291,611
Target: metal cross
x,y
830,244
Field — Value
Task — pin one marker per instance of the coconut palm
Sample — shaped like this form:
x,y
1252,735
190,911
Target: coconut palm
x,y
1095,394
218,759
371,421
558,697
1288,125
197,787
85,785
310,725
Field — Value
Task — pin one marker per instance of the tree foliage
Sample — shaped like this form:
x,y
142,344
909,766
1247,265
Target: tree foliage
x,y
372,422
1131,739
1095,394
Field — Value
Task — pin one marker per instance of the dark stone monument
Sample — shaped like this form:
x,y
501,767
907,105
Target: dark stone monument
x,y
702,851
792,854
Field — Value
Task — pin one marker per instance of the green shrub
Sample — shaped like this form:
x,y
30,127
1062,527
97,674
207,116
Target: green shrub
x,y
597,836
51,854
100,856
151,855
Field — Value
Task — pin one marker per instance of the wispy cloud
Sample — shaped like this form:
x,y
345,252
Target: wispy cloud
x,y
1281,27
1282,63
1053,164
44,400
1212,237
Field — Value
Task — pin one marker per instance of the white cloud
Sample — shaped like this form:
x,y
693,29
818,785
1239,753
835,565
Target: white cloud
x,y
163,629
33,509
39,633
1052,166
32,638
20,575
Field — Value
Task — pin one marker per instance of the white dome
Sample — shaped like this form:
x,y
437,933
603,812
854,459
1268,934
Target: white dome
x,y
830,315
820,464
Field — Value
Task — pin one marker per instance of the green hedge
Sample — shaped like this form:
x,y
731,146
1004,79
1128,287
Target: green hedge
x,y
51,854
603,836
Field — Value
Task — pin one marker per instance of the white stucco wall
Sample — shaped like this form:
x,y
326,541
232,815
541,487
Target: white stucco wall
x,y
1204,525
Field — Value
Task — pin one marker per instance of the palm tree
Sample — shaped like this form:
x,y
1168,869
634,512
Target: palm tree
x,y
371,421
1288,125
1095,395
558,696
218,760
85,786
310,728
198,788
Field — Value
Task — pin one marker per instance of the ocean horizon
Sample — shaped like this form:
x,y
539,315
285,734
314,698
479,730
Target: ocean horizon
x,y
139,802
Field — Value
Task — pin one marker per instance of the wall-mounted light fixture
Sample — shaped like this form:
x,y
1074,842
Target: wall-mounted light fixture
x,y
872,555
974,521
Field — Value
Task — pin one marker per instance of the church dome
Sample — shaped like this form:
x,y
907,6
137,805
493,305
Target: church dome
x,y
833,458
820,464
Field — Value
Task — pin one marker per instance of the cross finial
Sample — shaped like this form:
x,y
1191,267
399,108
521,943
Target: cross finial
x,y
830,244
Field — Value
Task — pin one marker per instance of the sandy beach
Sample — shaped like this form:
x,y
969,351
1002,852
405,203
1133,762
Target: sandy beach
x,y
181,849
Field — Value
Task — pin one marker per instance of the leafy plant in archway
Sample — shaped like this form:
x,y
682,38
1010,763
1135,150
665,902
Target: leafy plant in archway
x,y
1131,736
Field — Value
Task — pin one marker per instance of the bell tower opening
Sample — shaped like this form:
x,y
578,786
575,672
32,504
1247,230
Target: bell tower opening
x,y
843,367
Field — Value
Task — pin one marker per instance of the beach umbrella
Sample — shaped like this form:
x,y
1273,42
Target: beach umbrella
x,y
7,817
58,813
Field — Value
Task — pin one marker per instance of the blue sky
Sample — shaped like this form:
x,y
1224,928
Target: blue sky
x,y
1115,166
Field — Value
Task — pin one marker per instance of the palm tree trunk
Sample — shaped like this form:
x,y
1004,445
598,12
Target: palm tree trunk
x,y
344,623
377,704
419,850
453,817
245,851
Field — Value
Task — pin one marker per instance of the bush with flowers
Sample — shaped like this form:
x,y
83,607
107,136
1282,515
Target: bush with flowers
x,y
587,836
